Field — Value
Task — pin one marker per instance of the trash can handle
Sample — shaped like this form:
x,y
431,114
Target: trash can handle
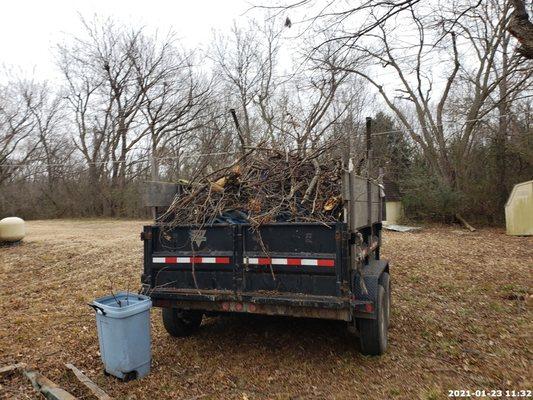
x,y
97,308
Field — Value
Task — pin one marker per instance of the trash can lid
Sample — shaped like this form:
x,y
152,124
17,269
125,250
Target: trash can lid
x,y
123,304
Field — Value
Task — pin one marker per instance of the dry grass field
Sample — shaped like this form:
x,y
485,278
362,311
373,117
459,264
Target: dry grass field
x,y
461,320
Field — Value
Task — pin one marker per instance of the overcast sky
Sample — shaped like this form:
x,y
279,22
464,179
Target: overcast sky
x,y
30,29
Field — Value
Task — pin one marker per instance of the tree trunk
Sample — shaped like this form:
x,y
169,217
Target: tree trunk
x,y
522,28
501,135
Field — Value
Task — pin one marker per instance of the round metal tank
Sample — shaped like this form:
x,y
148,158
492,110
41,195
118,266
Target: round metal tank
x,y
12,229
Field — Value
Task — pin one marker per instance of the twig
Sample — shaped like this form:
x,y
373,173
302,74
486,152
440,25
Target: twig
x,y
113,294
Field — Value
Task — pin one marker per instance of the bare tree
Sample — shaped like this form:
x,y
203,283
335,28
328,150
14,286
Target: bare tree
x,y
136,102
310,114
90,114
352,103
18,143
175,97
347,22
107,95
45,108
471,80
123,86
247,63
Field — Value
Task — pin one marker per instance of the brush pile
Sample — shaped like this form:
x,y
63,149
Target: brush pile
x,y
260,188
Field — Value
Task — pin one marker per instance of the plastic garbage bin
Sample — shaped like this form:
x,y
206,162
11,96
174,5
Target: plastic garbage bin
x,y
123,323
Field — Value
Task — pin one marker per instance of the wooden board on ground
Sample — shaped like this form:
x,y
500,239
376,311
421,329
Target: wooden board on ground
x,y
11,368
93,387
49,389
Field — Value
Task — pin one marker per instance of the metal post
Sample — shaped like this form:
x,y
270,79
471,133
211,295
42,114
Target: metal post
x,y
368,176
239,131
368,168
153,168
380,181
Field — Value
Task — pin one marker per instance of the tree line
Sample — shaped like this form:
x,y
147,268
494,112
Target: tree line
x,y
451,102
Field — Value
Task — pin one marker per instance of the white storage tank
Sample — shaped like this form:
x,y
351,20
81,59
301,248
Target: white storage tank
x,y
12,229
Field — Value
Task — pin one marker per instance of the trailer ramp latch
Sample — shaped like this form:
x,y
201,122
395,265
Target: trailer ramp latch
x,y
146,235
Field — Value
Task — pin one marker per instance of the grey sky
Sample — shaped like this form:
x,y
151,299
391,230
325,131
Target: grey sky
x,y
30,28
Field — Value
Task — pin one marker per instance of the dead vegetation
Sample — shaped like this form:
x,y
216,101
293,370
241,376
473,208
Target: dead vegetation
x,y
263,186
461,320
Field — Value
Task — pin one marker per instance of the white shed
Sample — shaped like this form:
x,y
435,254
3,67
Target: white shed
x,y
519,210
394,212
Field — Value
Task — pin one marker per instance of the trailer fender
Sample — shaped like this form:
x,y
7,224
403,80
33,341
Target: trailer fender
x,y
370,274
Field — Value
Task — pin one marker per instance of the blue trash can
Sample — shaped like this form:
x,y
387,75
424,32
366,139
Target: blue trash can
x,y
123,323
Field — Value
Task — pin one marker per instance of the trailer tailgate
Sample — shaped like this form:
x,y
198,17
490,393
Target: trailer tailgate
x,y
303,258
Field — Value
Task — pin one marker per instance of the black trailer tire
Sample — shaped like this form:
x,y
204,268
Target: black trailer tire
x,y
373,332
384,281
181,323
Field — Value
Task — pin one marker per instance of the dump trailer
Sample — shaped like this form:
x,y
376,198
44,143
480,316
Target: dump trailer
x,y
313,270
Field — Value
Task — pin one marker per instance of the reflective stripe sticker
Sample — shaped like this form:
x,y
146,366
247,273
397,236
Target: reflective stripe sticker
x,y
191,260
326,263
290,261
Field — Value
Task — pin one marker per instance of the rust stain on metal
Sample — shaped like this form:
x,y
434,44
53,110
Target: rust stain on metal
x,y
254,308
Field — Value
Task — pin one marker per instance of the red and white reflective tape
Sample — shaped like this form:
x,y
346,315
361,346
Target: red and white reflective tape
x,y
291,261
312,262
191,260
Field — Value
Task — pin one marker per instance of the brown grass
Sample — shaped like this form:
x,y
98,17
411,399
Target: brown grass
x,y
461,320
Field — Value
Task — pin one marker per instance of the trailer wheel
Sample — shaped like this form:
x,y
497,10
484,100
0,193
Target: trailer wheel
x,y
181,323
373,332
384,281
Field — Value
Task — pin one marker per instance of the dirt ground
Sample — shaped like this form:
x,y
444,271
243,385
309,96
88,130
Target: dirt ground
x,y
461,319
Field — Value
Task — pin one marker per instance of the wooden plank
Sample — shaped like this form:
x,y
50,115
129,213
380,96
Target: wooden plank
x,y
93,387
49,389
10,368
